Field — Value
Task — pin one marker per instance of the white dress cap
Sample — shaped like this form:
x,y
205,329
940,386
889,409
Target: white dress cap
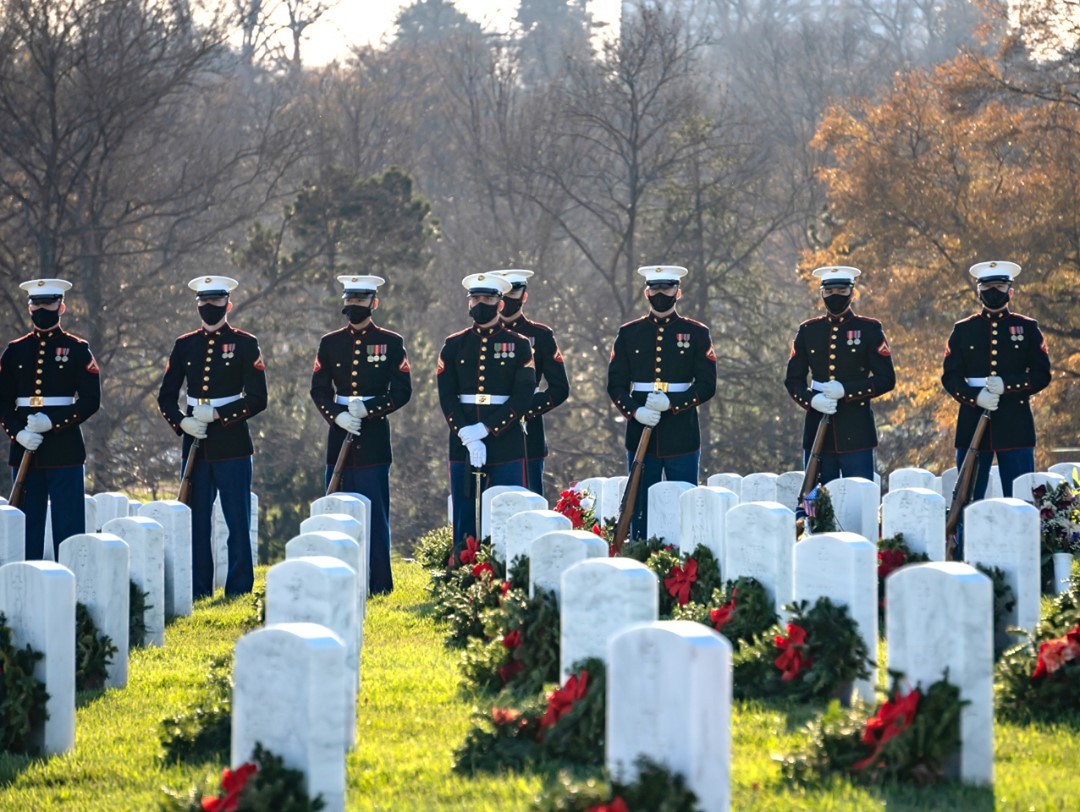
x,y
662,274
360,285
837,275
517,277
485,284
995,271
208,287
45,289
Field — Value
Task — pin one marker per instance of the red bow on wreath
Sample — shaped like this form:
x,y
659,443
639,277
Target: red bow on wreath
x,y
232,782
892,719
722,616
793,660
561,700
1053,654
681,580
468,555
889,560
481,569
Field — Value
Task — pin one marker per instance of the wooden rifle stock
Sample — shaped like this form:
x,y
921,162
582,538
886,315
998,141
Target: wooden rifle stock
x,y
633,482
965,479
15,498
189,468
813,465
339,467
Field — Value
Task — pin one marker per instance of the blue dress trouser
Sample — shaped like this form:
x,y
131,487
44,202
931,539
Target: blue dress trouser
x,y
231,479
463,492
679,468
534,475
64,486
373,481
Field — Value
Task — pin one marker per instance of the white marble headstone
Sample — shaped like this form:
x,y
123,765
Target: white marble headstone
x,y
553,553
102,566
485,505
855,502
343,523
145,539
90,514
522,528
993,488
343,547
175,518
685,670
1065,469
13,535
911,478
760,544
733,482
38,600
1024,484
601,597
611,501
219,539
843,568
504,506
110,505
1005,533
948,483
663,519
282,677
703,519
919,514
133,507
595,486
788,485
936,619
760,487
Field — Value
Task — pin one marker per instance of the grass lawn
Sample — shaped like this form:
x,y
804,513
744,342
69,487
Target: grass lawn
x,y
412,715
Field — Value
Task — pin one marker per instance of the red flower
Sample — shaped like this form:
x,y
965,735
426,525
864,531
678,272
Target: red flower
x,y
512,640
1053,654
232,782
892,719
510,670
793,660
889,560
472,547
561,700
597,531
1038,492
611,551
617,805
569,505
681,579
480,570
504,588
722,616
507,716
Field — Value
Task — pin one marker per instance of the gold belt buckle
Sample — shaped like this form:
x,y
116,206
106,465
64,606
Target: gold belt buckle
x,y
204,401
37,402
660,386
483,400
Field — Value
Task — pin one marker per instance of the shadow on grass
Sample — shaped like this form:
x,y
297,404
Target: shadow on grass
x,y
12,765
84,699
947,796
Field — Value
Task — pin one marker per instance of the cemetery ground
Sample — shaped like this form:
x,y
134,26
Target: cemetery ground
x,y
413,712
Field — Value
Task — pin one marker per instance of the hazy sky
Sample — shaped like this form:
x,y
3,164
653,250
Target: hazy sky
x,y
359,22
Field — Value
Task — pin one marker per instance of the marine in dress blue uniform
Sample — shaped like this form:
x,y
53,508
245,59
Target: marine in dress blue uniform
x,y
996,360
840,362
361,375
662,368
221,369
486,377
49,384
550,371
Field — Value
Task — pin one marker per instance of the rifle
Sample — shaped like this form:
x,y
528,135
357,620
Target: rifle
x,y
478,473
15,499
814,463
189,468
633,482
965,480
339,467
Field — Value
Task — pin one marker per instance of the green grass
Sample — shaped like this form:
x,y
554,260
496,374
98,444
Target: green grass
x,y
413,714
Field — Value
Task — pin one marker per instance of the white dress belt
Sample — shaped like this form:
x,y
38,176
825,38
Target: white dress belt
x,y
215,402
980,382
343,400
484,400
658,386
37,401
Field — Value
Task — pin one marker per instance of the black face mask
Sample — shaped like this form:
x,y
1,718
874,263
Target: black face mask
x,y
483,313
211,313
991,297
45,319
662,302
511,307
837,304
357,314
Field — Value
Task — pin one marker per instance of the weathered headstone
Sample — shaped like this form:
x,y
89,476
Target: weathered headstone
x,y
38,600
1024,484
703,519
90,514
911,478
595,486
843,568
101,563
760,543
343,523
993,488
13,535
601,597
919,514
145,539
611,501
855,502
553,553
175,518
282,677
522,528
948,483
1005,533
937,620
485,505
760,487
733,482
663,520
320,589
133,507
684,668
503,507
1065,469
936,486
110,505
788,485
343,547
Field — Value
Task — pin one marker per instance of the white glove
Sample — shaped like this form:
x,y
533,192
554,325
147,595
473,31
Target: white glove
x,y
348,422
823,403
477,453
357,409
38,422
657,401
833,389
468,434
646,416
987,400
203,412
29,439
196,428
995,386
